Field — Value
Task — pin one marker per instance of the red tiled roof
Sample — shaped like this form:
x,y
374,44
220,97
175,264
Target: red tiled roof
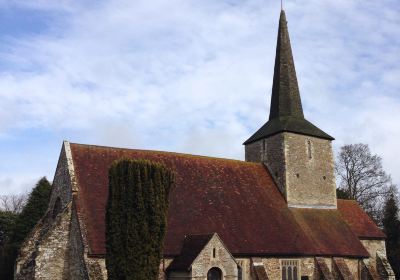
x,y
236,199
327,231
361,224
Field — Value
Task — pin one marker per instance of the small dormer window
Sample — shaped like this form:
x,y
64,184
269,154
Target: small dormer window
x,y
309,149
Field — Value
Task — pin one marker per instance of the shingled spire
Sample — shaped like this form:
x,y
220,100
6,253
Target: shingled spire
x,y
286,112
285,100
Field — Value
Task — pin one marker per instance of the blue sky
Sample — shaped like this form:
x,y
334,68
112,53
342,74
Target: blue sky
x,y
188,76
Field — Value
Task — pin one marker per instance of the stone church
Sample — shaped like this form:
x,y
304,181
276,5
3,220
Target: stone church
x,y
273,216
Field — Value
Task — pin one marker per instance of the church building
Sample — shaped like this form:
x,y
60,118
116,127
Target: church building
x,y
273,216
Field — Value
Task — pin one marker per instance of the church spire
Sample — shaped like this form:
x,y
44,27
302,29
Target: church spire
x,y
285,100
286,111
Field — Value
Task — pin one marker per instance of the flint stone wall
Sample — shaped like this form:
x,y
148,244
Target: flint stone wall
x,y
373,247
305,180
54,249
205,261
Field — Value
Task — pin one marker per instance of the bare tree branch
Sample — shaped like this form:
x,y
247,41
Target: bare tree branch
x,y
362,178
13,203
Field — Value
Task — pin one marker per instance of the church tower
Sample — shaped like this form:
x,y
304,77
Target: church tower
x,y
297,153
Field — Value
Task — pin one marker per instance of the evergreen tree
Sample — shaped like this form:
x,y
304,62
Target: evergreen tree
x,y
136,218
342,194
32,212
7,222
391,225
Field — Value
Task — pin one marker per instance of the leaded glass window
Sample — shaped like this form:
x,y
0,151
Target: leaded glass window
x,y
290,269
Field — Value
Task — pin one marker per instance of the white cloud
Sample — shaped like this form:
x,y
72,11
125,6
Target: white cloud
x,y
196,76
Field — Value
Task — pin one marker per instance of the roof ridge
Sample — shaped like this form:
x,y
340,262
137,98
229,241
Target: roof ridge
x,y
200,234
165,152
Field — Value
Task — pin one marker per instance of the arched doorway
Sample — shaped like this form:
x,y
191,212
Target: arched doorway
x,y
214,274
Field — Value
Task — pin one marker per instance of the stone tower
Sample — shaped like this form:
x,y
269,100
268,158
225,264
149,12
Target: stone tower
x,y
297,153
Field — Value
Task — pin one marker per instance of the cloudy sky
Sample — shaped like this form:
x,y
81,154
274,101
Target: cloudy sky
x,y
188,76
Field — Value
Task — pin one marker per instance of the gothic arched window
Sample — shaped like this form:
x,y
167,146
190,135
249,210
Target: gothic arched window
x,y
214,274
290,269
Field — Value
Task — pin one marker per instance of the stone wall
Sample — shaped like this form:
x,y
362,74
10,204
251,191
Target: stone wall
x,y
271,151
244,264
341,270
52,252
274,269
302,167
54,248
46,250
384,269
373,247
310,180
223,260
214,254
354,267
62,184
377,262
307,267
96,268
42,243
77,266
163,267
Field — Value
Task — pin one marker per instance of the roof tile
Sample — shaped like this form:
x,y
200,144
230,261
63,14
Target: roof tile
x,y
236,199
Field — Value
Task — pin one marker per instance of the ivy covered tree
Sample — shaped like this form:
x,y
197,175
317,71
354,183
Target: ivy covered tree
x,y
136,218
391,226
21,224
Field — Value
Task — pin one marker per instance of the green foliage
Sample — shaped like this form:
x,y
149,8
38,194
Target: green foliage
x,y
136,218
7,222
33,211
18,226
342,194
391,226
